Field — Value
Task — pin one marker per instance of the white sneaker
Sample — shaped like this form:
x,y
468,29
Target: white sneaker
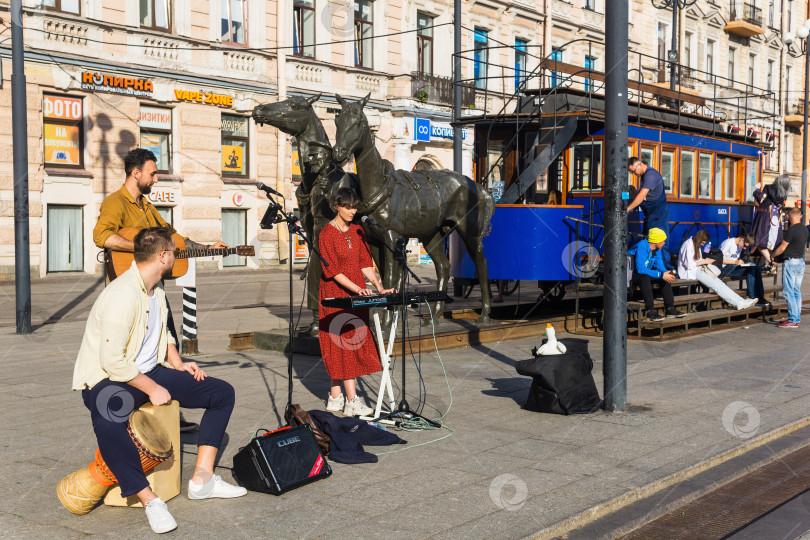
x,y
356,407
335,404
159,517
747,303
216,488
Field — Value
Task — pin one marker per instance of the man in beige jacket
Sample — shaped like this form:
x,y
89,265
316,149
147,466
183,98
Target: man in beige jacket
x,y
127,358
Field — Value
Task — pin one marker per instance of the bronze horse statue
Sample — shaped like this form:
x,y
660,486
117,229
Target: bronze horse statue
x,y
427,205
319,175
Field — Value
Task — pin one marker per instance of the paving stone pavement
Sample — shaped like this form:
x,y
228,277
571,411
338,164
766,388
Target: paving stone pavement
x,y
495,471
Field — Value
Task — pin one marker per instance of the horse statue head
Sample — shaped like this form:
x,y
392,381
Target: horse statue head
x,y
352,126
293,116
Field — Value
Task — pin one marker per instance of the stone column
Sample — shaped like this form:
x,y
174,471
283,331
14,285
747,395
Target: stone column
x,y
403,155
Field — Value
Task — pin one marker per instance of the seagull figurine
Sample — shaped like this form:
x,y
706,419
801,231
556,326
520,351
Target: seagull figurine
x,y
552,346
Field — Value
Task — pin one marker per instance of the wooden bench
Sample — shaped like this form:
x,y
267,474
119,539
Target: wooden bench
x,y
710,316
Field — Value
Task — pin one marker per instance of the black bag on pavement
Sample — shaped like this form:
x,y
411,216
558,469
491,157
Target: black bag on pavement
x,y
562,383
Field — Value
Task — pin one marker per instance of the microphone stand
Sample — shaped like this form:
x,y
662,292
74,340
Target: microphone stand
x,y
401,255
273,215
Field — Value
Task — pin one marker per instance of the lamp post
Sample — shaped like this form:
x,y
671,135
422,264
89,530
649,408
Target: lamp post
x,y
672,54
802,34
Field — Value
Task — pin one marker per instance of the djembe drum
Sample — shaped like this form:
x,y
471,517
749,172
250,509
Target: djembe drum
x,y
81,490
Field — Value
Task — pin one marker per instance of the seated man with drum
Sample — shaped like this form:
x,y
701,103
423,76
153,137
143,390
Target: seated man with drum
x,y
125,360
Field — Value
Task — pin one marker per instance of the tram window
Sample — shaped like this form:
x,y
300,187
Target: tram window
x,y
751,170
667,160
587,169
687,174
718,177
705,176
730,179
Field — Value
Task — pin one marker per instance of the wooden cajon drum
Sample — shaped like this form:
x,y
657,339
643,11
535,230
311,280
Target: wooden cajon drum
x,y
165,478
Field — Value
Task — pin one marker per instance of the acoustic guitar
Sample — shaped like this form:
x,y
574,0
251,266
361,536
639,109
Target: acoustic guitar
x,y
118,262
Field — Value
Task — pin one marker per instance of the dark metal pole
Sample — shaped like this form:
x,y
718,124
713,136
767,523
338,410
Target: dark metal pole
x,y
614,341
19,120
457,131
804,130
672,66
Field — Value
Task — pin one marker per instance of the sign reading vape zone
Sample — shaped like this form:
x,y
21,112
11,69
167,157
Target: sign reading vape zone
x,y
203,97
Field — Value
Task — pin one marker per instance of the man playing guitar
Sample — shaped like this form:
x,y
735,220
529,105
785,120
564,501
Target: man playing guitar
x,y
128,207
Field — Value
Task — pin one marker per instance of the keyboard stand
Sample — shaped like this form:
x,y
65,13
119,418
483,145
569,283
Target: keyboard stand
x,y
385,380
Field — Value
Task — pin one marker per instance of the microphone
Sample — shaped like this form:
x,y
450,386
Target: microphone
x,y
268,189
371,222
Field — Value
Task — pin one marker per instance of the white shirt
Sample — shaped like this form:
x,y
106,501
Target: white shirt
x,y
730,249
687,264
147,356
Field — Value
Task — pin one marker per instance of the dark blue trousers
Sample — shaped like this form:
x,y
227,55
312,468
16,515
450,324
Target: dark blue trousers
x,y
111,403
753,278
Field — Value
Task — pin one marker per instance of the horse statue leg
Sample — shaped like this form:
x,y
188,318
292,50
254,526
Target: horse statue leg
x,y
433,246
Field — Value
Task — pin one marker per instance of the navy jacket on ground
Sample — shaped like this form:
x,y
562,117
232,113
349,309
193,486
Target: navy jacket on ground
x,y
349,435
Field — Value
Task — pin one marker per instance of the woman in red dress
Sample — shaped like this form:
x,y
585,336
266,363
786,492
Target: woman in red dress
x,y
347,344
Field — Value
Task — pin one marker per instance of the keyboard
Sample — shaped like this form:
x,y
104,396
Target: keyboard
x,y
386,300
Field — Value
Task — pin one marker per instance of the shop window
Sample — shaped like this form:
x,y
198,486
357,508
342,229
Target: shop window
x,y
155,14
424,44
520,62
705,176
65,6
65,247
63,133
304,27
167,213
423,165
234,233
667,169
296,162
363,33
156,135
234,18
687,170
587,166
234,145
480,58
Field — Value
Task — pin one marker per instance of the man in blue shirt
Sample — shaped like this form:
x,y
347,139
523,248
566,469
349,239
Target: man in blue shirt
x,y
651,196
649,268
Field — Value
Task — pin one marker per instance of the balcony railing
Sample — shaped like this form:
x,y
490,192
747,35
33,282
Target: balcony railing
x,y
435,89
745,11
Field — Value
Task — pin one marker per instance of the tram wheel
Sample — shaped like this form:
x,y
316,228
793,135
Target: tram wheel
x,y
553,291
510,286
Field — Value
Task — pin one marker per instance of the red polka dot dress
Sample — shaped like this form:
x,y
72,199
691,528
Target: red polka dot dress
x,y
347,344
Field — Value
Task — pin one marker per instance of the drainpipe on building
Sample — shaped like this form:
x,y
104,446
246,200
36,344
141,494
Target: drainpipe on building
x,y
281,151
547,29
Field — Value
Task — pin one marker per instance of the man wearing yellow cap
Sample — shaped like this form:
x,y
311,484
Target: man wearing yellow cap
x,y
650,268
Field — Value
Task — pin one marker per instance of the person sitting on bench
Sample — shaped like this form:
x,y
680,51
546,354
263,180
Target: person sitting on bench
x,y
649,268
732,266
692,265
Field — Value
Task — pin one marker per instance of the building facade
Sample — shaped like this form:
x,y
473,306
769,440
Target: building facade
x,y
182,78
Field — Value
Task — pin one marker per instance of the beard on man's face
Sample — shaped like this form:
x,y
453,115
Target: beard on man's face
x,y
167,274
145,189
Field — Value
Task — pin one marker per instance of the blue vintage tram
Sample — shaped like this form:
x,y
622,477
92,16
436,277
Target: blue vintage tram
x,y
550,148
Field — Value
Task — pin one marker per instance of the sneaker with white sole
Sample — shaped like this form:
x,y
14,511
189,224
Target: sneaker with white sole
x,y
216,488
159,517
335,404
747,303
356,407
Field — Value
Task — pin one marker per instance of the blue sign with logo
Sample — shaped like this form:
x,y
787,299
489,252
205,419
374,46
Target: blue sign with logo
x,y
422,128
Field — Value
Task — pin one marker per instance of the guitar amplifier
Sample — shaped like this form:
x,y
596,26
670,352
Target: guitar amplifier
x,y
280,461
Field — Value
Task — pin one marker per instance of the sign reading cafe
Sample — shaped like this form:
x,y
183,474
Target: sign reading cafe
x,y
99,82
